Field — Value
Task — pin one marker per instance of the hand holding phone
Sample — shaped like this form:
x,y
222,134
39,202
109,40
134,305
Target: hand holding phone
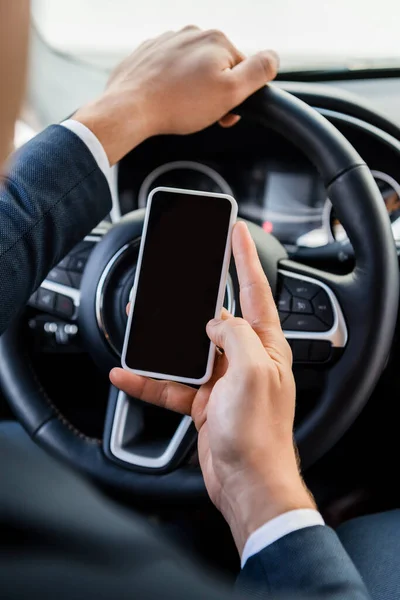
x,y
179,284
244,414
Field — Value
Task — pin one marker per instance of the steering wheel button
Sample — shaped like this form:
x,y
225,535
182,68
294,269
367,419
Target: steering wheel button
x,y
304,323
323,308
77,263
63,264
301,350
46,299
284,301
59,276
320,351
65,306
75,279
301,289
300,305
282,317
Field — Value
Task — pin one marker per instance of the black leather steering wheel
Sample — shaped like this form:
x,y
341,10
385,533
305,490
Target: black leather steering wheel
x,y
361,307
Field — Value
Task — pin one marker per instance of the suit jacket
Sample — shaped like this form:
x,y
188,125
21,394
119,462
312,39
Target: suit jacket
x,y
58,537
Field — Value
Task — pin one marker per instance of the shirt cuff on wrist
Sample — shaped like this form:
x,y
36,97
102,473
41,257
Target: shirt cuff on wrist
x,y
277,528
93,144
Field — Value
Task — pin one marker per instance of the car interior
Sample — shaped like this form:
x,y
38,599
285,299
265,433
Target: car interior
x,y
314,164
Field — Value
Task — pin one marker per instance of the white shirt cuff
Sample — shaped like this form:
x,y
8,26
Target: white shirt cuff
x,y
100,156
277,528
91,141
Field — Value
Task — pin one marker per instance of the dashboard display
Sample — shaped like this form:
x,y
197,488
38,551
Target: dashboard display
x,y
289,205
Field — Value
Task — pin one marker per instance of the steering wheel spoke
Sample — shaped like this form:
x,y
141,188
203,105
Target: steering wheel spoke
x,y
143,437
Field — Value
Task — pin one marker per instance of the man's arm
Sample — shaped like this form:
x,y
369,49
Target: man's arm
x,y
307,563
53,194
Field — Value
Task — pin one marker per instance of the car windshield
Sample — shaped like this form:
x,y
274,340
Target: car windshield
x,y
308,34
74,44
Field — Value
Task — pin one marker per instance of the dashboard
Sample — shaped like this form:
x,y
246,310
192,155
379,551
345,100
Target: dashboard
x,y
274,184
287,204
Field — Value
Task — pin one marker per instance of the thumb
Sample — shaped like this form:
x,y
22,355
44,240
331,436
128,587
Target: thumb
x,y
254,72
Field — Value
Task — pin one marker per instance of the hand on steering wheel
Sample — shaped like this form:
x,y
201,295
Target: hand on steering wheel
x,y
244,415
179,82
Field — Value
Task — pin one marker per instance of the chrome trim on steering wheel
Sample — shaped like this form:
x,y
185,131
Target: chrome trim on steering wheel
x,y
99,301
337,334
59,288
119,435
115,212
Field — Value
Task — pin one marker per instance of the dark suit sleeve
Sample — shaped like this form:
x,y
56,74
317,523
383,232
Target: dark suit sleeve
x,y
310,563
53,194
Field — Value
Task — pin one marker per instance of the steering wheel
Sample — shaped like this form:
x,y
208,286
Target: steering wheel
x,y
341,324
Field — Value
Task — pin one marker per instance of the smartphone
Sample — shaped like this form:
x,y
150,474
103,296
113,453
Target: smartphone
x,y
179,284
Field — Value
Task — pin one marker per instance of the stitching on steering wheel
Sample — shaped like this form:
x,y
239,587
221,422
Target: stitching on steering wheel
x,y
58,414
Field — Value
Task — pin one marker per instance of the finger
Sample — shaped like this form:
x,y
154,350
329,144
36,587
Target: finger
x,y
128,308
256,300
189,28
225,314
238,340
229,120
219,38
199,406
167,394
252,73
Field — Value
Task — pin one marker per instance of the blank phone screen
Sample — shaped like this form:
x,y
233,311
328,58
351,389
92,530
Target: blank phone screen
x,y
178,284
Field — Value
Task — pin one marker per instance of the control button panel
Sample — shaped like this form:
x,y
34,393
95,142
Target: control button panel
x,y
53,303
67,273
303,306
69,270
311,351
